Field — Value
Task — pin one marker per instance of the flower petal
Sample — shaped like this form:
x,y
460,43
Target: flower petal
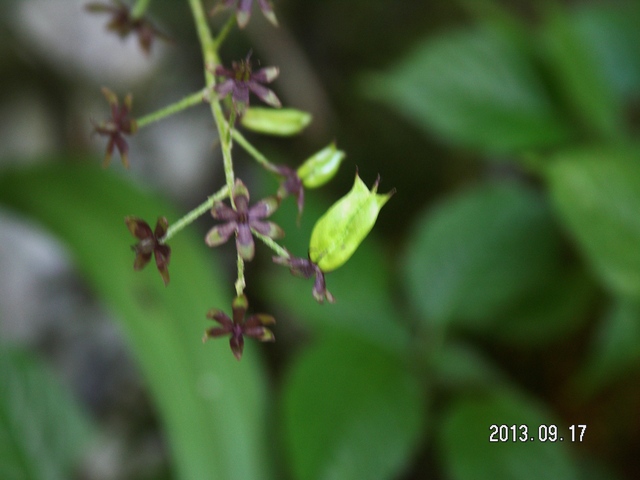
x,y
267,11
264,208
141,260
266,74
221,211
138,227
220,234
225,88
163,254
237,345
214,332
268,229
220,317
244,242
161,227
264,94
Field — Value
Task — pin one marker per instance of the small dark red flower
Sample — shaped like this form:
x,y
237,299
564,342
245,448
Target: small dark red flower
x,y
243,11
240,80
242,220
238,328
123,23
116,127
305,268
150,243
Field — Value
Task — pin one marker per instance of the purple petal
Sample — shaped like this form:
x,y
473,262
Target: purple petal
x,y
243,12
141,260
241,93
138,227
241,195
220,234
237,345
225,88
244,242
267,11
264,208
220,317
265,75
268,229
221,211
161,227
264,94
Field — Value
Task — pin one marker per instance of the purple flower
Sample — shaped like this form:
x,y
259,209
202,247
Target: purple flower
x,y
305,268
243,11
123,23
150,243
116,127
242,220
291,185
238,328
240,80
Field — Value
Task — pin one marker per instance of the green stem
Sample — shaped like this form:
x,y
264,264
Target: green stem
x,y
211,59
269,242
190,101
253,151
195,213
139,8
240,282
222,36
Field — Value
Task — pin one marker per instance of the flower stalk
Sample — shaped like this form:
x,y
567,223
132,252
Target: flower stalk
x,y
189,101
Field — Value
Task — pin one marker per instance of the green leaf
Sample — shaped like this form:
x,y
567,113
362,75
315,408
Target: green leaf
x,y
475,88
479,253
469,455
43,432
552,311
616,349
597,194
460,366
612,37
579,77
211,406
351,411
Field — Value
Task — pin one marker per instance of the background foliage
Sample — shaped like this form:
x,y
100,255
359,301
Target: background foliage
x,y
501,284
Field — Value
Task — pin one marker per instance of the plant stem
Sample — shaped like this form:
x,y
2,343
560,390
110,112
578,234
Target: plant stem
x,y
189,101
211,59
240,282
224,32
253,151
271,244
195,213
139,8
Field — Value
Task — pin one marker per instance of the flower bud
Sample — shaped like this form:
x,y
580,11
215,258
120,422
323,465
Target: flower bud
x,y
282,122
321,167
339,232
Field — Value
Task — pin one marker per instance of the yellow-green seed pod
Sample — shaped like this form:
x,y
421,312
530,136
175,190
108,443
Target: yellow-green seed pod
x,y
283,122
339,232
321,166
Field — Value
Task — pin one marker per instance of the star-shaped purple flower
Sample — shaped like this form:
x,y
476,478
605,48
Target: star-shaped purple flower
x,y
240,80
150,244
238,328
242,220
116,127
243,11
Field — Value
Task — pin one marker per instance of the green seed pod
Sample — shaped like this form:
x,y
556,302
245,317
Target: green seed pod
x,y
339,232
321,166
282,122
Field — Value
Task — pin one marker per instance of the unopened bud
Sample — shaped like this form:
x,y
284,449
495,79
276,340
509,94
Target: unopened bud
x,y
321,167
283,122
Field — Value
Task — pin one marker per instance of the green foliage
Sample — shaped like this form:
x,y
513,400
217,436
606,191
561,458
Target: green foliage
x,y
473,87
351,411
207,401
480,252
43,432
469,455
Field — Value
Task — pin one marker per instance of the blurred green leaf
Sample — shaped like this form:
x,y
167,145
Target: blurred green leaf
x,y
579,76
362,286
552,311
475,88
597,194
469,455
616,349
612,37
212,407
351,411
479,253
43,432
458,365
